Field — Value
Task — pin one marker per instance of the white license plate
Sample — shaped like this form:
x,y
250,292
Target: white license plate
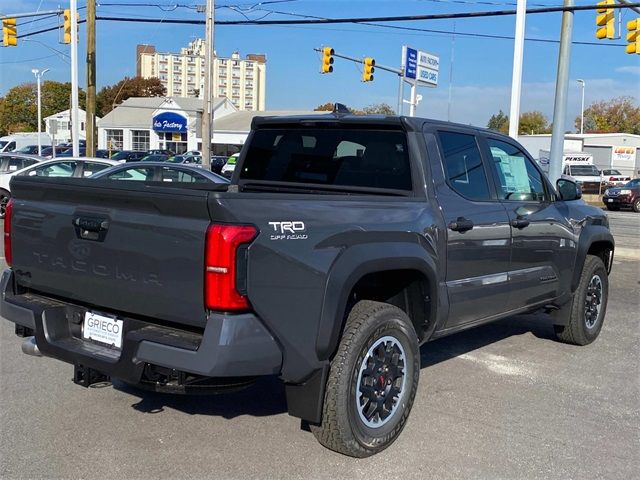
x,y
610,200
102,329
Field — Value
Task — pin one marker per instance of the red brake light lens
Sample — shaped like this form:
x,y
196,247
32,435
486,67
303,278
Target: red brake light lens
x,y
222,242
7,232
611,179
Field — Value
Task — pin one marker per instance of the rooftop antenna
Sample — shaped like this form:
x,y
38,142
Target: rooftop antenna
x,y
340,109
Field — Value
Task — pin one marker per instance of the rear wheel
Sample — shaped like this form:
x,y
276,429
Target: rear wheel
x,y
372,381
4,199
588,306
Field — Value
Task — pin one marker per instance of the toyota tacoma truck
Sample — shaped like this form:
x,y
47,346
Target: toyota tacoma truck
x,y
342,244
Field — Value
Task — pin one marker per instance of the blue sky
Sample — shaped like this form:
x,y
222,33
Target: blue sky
x,y
481,70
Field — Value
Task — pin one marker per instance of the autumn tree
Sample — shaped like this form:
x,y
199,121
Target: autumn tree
x,y
499,122
532,123
617,115
19,107
112,95
325,107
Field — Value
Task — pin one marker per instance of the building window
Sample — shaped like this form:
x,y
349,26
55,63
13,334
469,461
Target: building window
x,y
140,140
114,139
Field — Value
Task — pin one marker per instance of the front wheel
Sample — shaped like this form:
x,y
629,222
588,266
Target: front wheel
x,y
4,199
588,306
636,205
372,381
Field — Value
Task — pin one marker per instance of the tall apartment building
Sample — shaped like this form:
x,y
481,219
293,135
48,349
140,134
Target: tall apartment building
x,y
243,81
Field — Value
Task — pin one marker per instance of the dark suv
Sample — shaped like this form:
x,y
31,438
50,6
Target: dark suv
x,y
626,196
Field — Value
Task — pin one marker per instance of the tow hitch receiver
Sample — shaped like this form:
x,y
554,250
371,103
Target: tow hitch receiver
x,y
85,376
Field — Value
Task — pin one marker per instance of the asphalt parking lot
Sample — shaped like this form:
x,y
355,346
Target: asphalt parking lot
x,y
500,401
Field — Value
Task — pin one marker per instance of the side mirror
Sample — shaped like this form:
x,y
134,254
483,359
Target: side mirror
x,y
568,189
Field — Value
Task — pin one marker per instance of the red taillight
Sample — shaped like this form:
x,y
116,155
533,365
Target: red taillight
x,y
220,289
611,179
8,257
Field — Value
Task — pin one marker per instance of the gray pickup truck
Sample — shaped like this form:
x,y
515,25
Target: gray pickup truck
x,y
341,245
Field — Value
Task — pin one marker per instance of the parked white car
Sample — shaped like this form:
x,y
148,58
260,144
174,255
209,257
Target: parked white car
x,y
62,167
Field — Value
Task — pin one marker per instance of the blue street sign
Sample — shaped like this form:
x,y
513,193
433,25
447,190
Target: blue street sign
x,y
411,63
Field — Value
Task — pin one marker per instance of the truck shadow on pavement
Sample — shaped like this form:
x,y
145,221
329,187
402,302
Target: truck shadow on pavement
x,y
266,396
445,348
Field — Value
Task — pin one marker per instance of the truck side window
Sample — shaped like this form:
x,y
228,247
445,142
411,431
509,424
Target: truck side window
x,y
518,178
463,165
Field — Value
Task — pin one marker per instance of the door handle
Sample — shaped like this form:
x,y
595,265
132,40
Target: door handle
x,y
520,223
461,224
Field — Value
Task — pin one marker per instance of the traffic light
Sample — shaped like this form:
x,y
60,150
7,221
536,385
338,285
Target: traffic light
x,y
633,36
605,20
367,70
327,60
66,32
9,32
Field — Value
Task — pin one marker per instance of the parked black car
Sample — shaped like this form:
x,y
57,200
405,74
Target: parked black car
x,y
129,156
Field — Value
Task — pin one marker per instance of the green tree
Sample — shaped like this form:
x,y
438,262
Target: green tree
x,y
128,87
499,122
19,107
532,123
617,115
379,108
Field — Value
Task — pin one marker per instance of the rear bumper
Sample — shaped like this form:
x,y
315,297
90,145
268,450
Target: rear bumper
x,y
229,346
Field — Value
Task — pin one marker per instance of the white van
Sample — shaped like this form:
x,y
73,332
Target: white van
x,y
15,141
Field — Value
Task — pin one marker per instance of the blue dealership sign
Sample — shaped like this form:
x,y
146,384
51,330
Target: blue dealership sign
x,y
411,63
169,122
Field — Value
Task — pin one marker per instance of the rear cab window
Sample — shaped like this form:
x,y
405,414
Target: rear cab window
x,y
340,156
463,165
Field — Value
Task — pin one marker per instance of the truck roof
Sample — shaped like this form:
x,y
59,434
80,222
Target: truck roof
x,y
411,123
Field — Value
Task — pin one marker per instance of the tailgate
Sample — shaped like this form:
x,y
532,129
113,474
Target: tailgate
x,y
117,246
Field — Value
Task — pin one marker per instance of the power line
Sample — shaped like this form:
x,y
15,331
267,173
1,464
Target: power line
x,y
398,18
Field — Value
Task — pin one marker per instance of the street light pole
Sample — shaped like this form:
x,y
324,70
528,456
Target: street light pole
x,y
516,77
582,82
38,74
75,130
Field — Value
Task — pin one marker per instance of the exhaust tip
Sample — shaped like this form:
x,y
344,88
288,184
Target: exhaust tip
x,y
30,347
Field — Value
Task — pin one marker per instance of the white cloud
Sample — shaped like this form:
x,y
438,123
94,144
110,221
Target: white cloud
x,y
633,69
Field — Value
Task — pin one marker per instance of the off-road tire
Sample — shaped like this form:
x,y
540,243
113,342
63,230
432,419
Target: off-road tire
x,y
577,332
636,205
342,428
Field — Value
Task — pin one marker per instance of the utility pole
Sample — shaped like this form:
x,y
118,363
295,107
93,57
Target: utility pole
x,y
207,114
75,131
562,87
516,78
90,123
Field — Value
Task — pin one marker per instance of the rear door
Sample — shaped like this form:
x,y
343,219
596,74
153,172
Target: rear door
x,y
478,232
543,242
